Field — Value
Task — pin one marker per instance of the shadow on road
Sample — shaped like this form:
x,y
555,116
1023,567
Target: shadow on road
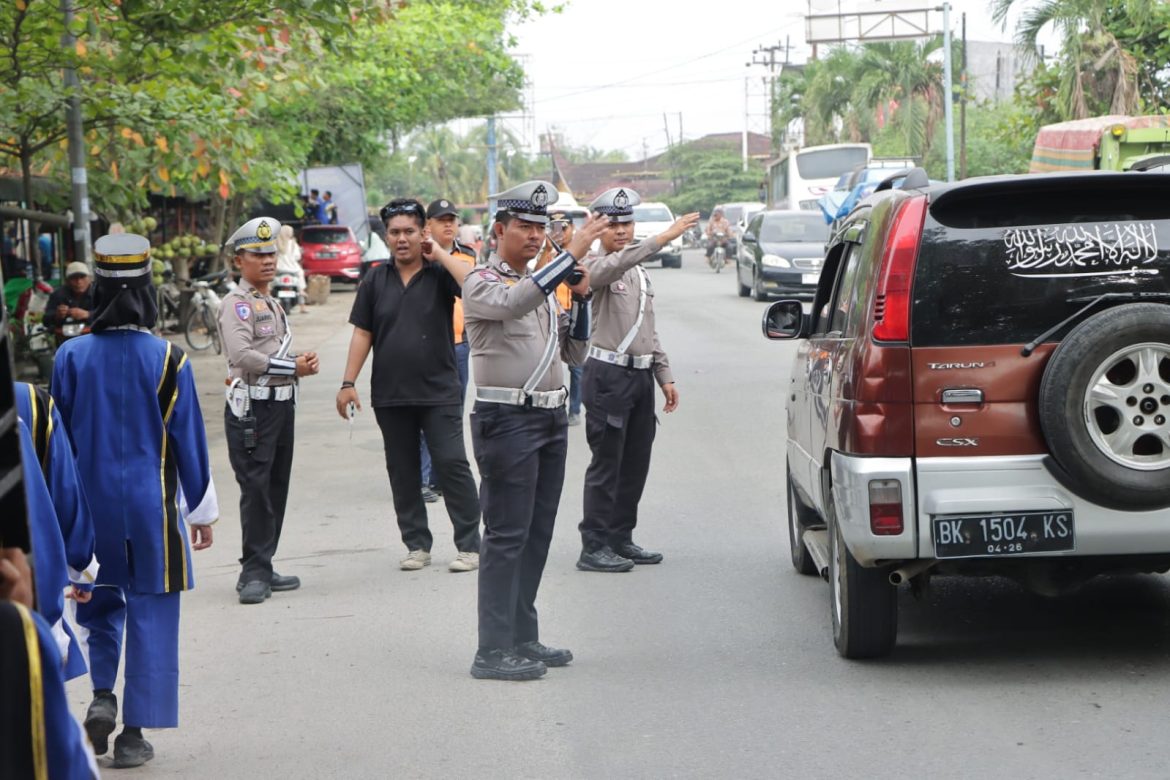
x,y
1121,621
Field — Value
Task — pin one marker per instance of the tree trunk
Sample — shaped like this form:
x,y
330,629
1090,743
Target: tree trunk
x,y
32,249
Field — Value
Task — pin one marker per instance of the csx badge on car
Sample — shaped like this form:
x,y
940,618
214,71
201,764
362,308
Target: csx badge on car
x,y
957,442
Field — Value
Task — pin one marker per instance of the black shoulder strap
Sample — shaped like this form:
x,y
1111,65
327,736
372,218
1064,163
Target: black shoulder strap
x,y
41,424
168,384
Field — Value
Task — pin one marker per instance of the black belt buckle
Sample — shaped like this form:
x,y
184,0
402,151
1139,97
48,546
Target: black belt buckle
x,y
527,400
249,425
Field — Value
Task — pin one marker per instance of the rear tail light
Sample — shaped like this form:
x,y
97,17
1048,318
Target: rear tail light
x,y
891,309
885,507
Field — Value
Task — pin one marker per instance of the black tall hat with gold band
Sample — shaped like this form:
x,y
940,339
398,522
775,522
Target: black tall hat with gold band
x,y
123,294
528,201
256,235
616,204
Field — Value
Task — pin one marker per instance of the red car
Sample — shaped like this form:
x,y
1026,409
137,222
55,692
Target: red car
x,y
332,250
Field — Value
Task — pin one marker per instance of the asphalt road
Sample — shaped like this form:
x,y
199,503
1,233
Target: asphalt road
x,y
717,663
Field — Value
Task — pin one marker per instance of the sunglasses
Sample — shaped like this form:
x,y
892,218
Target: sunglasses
x,y
394,211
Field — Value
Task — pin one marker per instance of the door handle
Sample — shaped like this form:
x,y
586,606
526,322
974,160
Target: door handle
x,y
962,395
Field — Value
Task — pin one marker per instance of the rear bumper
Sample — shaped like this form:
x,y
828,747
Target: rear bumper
x,y
333,271
940,487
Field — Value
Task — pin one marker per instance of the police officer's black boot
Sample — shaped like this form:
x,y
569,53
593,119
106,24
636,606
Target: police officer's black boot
x,y
101,719
603,559
494,664
636,553
549,656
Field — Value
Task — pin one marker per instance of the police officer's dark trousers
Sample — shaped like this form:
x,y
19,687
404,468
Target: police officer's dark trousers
x,y
521,456
443,427
620,425
263,477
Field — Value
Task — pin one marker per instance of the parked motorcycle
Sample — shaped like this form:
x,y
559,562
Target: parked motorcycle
x,y
718,255
284,287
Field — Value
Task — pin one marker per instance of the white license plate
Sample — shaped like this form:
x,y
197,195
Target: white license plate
x,y
810,278
286,294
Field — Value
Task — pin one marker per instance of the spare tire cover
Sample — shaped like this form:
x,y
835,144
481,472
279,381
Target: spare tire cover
x,y
1105,407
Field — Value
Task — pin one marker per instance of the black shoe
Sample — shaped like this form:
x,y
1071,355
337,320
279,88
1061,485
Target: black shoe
x,y
505,665
549,656
636,553
131,750
429,496
100,721
280,582
438,491
603,559
255,592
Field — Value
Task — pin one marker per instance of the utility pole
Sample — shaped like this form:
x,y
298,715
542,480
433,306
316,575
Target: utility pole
x,y
963,105
949,105
82,251
492,169
766,55
745,123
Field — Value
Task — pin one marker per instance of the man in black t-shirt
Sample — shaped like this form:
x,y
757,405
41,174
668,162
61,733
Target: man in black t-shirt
x,y
403,312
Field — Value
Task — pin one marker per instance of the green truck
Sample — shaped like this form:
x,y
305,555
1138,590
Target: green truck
x,y
1103,143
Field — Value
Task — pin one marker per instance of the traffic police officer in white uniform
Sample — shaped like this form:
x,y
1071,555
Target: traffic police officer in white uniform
x,y
519,337
625,361
262,379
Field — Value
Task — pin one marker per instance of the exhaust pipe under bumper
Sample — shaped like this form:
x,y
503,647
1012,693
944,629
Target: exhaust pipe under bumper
x,y
911,570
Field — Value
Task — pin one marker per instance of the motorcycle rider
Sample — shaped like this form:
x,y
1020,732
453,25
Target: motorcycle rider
x,y
71,302
718,224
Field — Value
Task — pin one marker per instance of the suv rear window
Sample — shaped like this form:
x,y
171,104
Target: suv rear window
x,y
320,235
1002,263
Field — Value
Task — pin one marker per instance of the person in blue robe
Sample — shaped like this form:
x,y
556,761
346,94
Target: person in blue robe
x,y
54,454
39,738
129,403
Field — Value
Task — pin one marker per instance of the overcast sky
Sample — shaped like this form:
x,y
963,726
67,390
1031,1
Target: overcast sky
x,y
603,74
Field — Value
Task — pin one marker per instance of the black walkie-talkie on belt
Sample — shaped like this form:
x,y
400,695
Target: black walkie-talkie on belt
x,y
249,424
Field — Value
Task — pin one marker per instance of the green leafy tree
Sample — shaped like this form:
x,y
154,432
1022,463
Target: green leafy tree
x,y
712,176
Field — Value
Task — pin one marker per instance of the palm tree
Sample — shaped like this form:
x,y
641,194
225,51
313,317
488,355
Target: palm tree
x,y
903,76
1097,72
827,104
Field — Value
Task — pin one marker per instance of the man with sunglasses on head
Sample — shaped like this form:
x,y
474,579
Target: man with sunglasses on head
x,y
520,339
403,312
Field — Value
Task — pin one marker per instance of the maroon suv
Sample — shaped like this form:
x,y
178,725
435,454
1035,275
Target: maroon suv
x,y
982,387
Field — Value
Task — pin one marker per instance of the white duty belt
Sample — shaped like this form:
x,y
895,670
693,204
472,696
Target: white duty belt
x,y
619,359
527,396
266,393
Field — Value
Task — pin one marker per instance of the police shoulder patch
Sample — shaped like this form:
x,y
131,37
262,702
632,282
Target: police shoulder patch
x,y
490,276
243,311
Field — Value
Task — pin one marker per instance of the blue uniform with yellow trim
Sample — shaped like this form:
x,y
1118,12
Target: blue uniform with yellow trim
x,y
70,510
129,403
39,739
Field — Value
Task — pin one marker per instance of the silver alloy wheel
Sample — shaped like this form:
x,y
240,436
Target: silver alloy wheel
x,y
1127,406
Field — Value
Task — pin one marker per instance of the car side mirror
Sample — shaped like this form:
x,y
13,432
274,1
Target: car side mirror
x,y
785,320
749,237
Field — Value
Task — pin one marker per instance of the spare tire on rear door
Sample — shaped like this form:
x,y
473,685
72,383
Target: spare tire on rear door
x,y
1105,407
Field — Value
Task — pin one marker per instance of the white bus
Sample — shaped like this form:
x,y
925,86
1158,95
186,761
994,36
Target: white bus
x,y
802,176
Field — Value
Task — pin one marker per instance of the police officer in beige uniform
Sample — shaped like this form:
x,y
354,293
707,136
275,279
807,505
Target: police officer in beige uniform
x,y
625,361
262,378
519,338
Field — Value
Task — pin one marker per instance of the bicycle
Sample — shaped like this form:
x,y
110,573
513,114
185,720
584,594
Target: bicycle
x,y
201,328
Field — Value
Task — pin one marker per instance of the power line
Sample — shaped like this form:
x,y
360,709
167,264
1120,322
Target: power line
x,y
672,67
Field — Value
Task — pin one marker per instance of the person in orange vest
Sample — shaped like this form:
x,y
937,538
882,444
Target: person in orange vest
x,y
560,230
442,225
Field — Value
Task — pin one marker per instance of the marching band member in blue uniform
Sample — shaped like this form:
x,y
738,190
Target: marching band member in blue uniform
x,y
54,454
129,403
